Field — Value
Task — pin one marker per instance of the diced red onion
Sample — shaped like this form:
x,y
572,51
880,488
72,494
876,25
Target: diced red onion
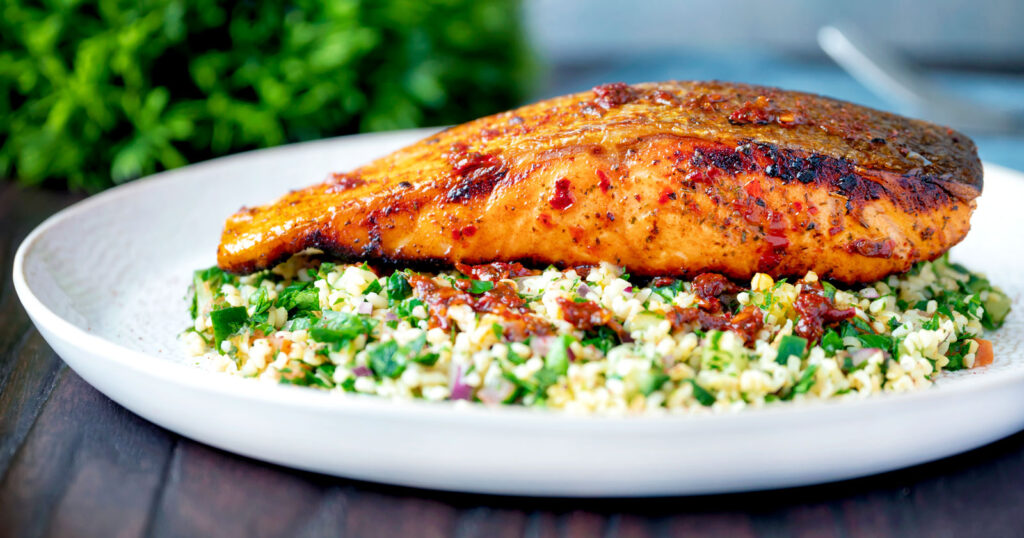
x,y
858,356
583,290
869,293
390,316
629,289
365,308
541,345
460,390
362,371
497,392
569,353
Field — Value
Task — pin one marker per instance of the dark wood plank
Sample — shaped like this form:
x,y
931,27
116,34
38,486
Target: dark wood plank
x,y
377,513
29,375
487,522
206,488
631,526
87,467
725,523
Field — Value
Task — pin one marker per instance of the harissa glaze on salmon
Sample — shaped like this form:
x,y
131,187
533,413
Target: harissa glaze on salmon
x,y
665,179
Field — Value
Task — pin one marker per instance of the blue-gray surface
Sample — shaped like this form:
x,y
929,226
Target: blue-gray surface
x,y
827,79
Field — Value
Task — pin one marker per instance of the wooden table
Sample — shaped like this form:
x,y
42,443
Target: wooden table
x,y
73,463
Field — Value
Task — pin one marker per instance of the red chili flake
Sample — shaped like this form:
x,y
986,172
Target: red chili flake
x,y
696,176
705,102
637,196
777,241
872,249
577,233
770,258
563,198
775,223
835,230
612,95
343,182
545,219
663,97
797,207
464,162
753,188
812,209
603,181
666,195
466,231
761,111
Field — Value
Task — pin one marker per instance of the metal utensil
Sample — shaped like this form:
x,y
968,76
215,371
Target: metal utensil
x,y
892,79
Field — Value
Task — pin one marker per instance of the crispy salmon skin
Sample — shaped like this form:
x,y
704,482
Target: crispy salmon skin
x,y
669,178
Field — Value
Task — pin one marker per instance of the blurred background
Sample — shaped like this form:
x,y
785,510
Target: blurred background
x,y
95,93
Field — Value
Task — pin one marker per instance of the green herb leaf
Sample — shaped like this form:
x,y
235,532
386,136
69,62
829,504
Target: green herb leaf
x,y
299,297
862,325
831,342
806,380
789,346
557,359
298,324
830,290
879,341
704,397
323,375
384,359
226,322
404,309
603,338
325,268
339,328
652,382
373,287
997,306
480,286
956,352
260,301
398,287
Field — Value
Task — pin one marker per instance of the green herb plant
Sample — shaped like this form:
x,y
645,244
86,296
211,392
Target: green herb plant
x,y
98,93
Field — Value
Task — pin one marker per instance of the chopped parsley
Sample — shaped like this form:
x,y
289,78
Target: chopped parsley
x,y
480,286
226,322
398,287
373,287
339,328
704,397
790,346
806,380
384,359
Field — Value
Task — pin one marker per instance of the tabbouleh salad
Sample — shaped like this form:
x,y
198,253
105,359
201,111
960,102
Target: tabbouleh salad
x,y
590,339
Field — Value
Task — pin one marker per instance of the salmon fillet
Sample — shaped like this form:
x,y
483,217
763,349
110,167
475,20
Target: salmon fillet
x,y
670,178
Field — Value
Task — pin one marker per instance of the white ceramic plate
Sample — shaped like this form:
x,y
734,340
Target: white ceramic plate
x,y
104,281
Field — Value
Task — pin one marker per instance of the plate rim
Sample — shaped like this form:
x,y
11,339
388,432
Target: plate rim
x,y
191,377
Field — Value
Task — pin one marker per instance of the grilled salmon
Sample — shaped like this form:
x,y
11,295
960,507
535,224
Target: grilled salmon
x,y
665,179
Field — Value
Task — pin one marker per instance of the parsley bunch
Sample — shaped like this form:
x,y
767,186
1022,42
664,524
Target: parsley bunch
x,y
97,93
